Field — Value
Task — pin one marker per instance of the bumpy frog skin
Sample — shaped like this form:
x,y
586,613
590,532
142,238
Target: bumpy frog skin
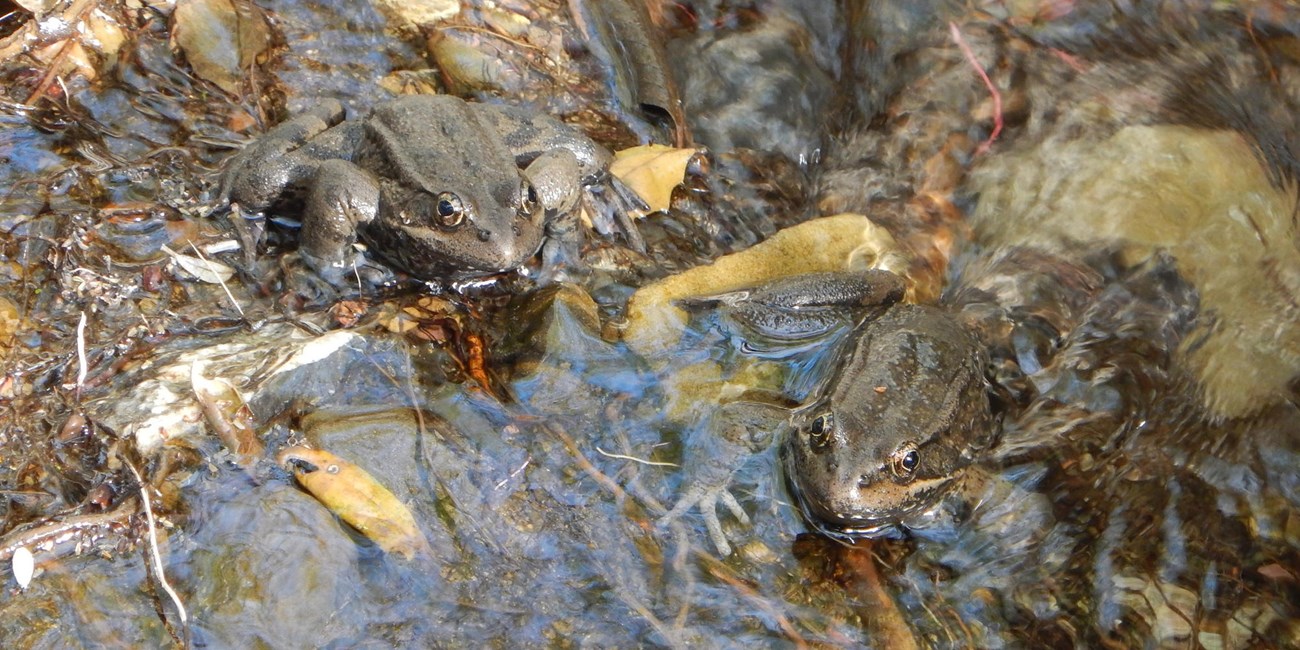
x,y
900,420
439,187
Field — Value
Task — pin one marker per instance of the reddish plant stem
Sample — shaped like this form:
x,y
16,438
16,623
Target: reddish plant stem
x,y
988,83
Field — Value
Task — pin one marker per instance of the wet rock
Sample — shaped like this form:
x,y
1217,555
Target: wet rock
x,y
273,367
1206,199
758,89
271,567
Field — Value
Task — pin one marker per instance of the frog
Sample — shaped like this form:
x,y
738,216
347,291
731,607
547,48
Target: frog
x,y
906,410
437,186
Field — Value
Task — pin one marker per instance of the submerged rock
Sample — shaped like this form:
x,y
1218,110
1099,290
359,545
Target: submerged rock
x,y
1202,196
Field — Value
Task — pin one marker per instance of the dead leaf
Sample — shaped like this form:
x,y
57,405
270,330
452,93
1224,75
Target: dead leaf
x,y
652,171
220,38
357,498
200,269
347,313
37,7
1276,572
102,34
11,322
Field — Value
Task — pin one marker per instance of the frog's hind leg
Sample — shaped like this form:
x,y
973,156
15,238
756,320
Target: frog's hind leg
x,y
342,197
803,307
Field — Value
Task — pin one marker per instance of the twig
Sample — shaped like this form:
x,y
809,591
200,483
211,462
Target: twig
x,y
222,282
153,544
81,354
634,459
49,536
988,83
78,12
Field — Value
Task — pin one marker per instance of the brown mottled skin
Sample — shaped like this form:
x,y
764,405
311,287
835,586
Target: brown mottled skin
x,y
902,417
441,188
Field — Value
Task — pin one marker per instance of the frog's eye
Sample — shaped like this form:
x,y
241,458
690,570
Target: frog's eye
x,y
448,211
905,461
528,200
819,431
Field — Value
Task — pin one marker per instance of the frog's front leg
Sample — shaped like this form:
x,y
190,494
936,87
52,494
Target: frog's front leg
x,y
342,198
556,178
532,137
259,175
722,444
803,307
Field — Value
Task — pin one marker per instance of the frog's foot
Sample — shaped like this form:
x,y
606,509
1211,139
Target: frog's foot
x,y
613,207
561,255
722,444
351,271
707,498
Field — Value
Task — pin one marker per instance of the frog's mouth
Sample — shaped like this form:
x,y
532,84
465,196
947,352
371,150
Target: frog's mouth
x,y
875,511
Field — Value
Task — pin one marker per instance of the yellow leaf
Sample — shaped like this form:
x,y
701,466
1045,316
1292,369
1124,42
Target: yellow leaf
x,y
652,171
357,498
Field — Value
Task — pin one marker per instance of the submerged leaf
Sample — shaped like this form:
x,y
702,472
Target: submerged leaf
x,y
653,171
220,38
201,269
357,498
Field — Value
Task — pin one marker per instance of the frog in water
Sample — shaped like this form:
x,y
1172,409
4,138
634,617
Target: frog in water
x,y
439,187
892,430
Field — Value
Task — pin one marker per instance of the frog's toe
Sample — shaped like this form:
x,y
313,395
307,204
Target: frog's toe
x,y
613,208
733,505
707,500
714,527
350,270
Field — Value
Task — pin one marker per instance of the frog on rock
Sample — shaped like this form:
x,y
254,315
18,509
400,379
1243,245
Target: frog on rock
x,y
438,187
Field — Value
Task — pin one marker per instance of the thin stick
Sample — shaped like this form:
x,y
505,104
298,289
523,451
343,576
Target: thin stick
x,y
220,281
153,543
81,354
988,83
634,459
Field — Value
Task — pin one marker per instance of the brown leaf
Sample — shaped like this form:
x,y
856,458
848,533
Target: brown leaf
x,y
358,499
220,38
653,171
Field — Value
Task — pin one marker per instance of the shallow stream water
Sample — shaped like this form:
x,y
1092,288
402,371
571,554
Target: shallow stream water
x,y
1131,262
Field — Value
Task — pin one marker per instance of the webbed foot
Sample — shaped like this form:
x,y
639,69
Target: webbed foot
x,y
722,444
613,207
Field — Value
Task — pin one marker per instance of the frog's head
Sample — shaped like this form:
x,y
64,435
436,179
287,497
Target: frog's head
x,y
897,426
474,227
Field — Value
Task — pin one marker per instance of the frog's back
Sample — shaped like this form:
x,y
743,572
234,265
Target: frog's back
x,y
438,143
